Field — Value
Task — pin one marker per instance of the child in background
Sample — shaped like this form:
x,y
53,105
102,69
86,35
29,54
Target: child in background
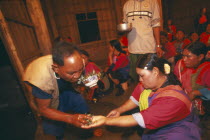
x,y
94,78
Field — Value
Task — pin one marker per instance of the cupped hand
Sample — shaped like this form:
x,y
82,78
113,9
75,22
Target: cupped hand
x,y
80,119
113,113
159,51
96,122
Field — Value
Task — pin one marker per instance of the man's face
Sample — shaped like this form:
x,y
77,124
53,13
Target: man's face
x,y
72,68
191,60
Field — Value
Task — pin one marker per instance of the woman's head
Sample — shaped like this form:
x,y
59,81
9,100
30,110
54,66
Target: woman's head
x,y
180,34
154,71
194,36
115,44
194,54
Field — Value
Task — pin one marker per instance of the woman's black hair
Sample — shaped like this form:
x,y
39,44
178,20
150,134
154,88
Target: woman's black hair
x,y
197,48
116,44
149,61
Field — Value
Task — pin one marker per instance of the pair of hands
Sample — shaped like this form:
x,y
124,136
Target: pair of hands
x,y
101,120
79,120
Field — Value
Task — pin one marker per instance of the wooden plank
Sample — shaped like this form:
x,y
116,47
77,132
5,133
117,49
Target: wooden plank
x,y
10,47
37,16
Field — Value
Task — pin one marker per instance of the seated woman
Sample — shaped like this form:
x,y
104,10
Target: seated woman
x,y
193,72
165,109
118,70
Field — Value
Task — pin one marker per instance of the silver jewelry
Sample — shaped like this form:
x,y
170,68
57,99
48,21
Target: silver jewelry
x,y
57,77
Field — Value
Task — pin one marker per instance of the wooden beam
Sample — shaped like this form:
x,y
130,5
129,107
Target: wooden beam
x,y
37,17
10,47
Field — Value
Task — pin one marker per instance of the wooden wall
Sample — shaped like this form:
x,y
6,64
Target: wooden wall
x,y
63,22
184,12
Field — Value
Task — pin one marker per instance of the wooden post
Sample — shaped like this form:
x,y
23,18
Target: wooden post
x,y
10,47
37,16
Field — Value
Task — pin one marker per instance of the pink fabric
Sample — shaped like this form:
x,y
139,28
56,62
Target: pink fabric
x,y
121,62
184,75
164,109
90,67
170,50
204,37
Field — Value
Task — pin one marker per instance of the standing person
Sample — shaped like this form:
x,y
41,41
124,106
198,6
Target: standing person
x,y
50,80
201,21
145,34
118,70
165,109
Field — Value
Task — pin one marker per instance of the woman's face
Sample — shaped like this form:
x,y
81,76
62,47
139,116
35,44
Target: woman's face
x,y
194,37
147,77
191,60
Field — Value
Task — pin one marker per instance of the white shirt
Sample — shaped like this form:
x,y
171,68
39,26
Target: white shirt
x,y
144,15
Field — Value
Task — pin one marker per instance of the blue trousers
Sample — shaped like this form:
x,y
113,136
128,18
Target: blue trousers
x,y
68,101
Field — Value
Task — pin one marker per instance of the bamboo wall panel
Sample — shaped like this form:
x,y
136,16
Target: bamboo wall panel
x,y
25,42
15,10
64,12
21,29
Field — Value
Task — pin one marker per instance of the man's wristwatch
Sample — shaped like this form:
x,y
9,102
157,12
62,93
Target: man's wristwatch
x,y
158,46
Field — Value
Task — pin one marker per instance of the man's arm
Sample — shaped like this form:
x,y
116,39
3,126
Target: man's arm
x,y
156,32
53,114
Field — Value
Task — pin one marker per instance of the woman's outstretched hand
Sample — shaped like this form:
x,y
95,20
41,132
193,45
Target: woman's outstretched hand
x,y
113,113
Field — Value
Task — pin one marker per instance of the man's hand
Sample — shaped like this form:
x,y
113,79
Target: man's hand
x,y
96,122
159,51
113,113
79,120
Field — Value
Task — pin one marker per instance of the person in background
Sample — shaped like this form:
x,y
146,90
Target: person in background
x,y
208,54
205,36
123,41
167,47
119,67
50,80
180,43
194,37
201,21
194,73
94,78
165,109
144,15
171,29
